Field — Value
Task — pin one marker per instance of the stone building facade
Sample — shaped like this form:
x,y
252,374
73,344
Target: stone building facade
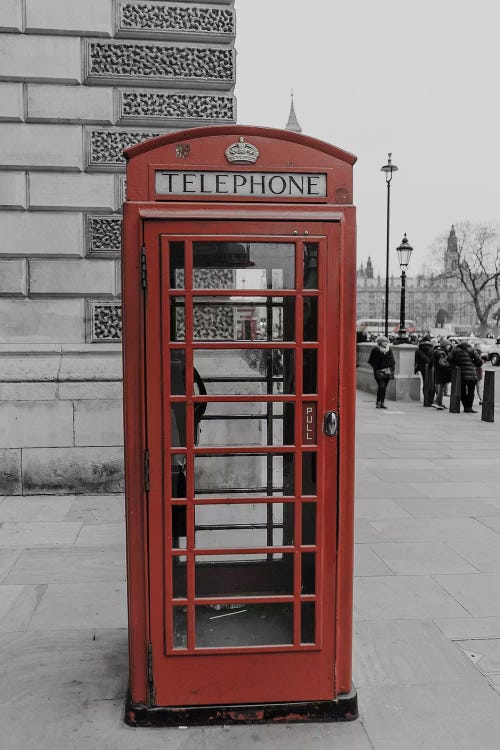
x,y
80,80
430,299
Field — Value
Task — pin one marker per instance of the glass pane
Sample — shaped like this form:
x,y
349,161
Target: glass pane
x,y
309,474
178,513
246,371
244,525
244,319
309,523
243,265
247,423
179,635
307,622
310,318
176,251
310,371
244,575
311,265
177,372
308,572
178,474
178,424
177,319
244,473
179,577
219,626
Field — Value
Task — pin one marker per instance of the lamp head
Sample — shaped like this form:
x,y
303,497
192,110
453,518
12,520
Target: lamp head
x,y
389,168
404,252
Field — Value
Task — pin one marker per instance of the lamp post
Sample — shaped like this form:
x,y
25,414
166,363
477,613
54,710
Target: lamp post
x,y
388,168
404,252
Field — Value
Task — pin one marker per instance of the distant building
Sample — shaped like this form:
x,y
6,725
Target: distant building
x,y
431,300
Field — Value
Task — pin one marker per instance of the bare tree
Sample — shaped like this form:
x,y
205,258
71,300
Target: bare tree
x,y
473,258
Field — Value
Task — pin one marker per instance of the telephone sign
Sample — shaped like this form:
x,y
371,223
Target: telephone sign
x,y
239,277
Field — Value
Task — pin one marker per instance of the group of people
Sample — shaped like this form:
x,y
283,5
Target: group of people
x,y
437,360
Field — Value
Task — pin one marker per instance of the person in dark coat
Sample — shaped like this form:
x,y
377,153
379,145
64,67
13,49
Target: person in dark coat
x,y
442,370
465,357
423,357
382,360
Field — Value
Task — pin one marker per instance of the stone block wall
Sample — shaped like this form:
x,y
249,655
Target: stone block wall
x,y
80,80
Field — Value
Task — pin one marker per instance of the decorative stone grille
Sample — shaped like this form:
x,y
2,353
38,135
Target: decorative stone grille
x,y
105,147
137,105
133,61
160,18
104,321
208,278
103,236
210,323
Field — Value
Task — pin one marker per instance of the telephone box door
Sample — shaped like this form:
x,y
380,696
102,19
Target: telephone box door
x,y
242,395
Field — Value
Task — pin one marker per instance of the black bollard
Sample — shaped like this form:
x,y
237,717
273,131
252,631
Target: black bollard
x,y
428,385
488,408
456,388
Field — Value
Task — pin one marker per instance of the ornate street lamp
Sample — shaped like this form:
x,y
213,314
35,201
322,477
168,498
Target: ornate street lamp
x,y
388,168
404,252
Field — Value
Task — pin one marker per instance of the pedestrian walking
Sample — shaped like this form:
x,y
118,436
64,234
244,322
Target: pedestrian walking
x,y
442,370
382,360
465,357
479,372
423,357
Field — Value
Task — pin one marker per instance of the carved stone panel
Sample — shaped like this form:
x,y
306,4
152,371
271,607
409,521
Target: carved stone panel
x,y
103,236
104,146
104,321
160,106
173,21
150,63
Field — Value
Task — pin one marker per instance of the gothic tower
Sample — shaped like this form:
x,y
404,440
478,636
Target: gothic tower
x,y
293,123
451,253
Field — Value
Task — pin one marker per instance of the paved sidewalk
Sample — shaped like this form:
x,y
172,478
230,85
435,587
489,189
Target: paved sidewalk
x,y
427,614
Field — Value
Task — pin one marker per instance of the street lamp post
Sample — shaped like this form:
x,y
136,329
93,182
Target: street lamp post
x,y
388,168
404,252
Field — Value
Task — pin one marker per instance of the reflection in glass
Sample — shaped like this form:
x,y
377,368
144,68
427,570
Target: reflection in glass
x,y
179,568
179,634
176,252
177,372
243,265
309,523
239,319
247,423
244,575
246,371
309,473
178,475
251,474
307,622
230,625
178,526
310,371
311,265
244,525
310,318
308,565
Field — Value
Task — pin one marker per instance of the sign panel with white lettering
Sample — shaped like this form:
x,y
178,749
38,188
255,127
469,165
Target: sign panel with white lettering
x,y
250,184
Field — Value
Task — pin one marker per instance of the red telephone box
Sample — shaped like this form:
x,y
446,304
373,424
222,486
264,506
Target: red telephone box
x,y
239,374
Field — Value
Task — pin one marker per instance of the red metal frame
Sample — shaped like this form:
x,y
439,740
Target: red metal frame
x,y
298,672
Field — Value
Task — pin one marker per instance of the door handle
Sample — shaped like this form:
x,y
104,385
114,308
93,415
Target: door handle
x,y
330,423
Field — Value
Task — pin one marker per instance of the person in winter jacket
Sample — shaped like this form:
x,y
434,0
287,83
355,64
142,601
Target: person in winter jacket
x,y
442,370
382,360
423,357
465,357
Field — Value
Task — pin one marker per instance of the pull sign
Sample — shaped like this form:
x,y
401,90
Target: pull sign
x,y
309,423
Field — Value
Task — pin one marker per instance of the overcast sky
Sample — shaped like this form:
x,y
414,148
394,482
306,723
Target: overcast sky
x,y
420,79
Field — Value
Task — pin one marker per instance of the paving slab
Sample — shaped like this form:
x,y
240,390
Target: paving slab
x,y
484,654
38,534
97,534
377,509
436,717
483,555
17,606
39,508
403,597
368,563
7,559
470,628
451,508
81,605
68,565
478,594
421,558
97,508
407,652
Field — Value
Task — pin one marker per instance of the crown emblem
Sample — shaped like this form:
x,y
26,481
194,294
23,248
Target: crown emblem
x,y
242,153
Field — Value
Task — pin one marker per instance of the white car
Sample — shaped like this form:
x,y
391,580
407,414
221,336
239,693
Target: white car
x,y
494,352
